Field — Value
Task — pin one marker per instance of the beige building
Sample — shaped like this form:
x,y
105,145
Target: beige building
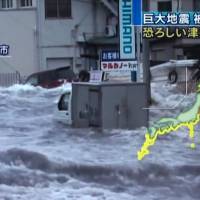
x,y
46,34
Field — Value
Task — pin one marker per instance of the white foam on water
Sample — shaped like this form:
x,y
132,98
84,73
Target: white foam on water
x,y
43,159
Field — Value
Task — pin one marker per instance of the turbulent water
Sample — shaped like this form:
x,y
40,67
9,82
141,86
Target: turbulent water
x,y
42,159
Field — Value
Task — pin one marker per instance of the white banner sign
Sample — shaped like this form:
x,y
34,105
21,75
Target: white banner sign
x,y
96,76
126,30
119,66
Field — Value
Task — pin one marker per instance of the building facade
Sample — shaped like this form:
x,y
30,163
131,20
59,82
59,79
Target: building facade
x,y
163,50
18,30
47,34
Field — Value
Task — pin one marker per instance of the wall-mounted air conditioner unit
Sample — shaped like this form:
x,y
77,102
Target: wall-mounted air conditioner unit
x,y
81,38
110,30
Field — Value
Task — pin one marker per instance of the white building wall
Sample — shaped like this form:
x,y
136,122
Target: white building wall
x,y
18,30
37,43
58,37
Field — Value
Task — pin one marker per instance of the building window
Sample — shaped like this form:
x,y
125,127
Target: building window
x,y
196,5
25,3
165,6
6,4
58,8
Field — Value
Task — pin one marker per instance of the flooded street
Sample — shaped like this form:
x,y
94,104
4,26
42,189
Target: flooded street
x,y
42,159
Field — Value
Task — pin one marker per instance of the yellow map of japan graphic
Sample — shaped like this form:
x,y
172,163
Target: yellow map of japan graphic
x,y
189,119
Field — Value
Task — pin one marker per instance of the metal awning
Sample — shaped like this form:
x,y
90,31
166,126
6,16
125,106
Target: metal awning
x,y
104,40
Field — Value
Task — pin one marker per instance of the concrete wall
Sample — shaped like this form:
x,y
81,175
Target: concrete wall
x,y
162,51
186,5
183,5
166,50
153,5
18,29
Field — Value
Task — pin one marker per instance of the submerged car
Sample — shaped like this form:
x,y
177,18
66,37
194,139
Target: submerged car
x,y
51,78
176,71
63,110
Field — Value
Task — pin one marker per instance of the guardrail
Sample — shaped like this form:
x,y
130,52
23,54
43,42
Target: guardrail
x,y
9,79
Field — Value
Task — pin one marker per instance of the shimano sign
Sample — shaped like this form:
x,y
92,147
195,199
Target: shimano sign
x,y
127,33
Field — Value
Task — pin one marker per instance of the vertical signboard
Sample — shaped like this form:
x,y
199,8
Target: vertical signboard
x,y
127,30
137,12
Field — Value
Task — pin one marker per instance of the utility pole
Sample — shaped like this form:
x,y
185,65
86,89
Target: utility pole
x,y
146,58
